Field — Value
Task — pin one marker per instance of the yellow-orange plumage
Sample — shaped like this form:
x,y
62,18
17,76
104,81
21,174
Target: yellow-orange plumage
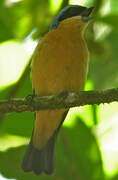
x,y
58,67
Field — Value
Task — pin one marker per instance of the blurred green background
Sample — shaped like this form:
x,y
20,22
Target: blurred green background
x,y
87,146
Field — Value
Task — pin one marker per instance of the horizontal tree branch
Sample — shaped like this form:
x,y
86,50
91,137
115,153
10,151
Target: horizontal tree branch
x,y
62,100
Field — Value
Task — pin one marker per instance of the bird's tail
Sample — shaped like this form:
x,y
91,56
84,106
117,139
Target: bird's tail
x,y
42,160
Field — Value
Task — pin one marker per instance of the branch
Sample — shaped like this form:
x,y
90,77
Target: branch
x,y
62,100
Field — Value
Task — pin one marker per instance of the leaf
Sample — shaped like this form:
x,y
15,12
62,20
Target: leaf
x,y
110,19
19,19
104,71
82,152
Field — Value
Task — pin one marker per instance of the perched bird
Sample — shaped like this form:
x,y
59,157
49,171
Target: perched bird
x,y
59,64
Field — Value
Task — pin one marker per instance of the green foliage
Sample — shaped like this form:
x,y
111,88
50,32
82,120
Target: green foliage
x,y
79,152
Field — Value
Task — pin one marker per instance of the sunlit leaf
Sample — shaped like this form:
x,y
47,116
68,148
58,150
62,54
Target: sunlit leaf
x,y
12,63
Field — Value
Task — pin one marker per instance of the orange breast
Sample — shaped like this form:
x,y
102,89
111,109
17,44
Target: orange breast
x,y
60,64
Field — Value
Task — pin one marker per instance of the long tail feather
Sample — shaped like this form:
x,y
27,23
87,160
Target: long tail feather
x,y
42,160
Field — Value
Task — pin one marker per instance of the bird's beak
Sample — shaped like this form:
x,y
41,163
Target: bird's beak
x,y
86,13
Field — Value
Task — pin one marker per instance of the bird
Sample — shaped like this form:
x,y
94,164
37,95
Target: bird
x,y
60,64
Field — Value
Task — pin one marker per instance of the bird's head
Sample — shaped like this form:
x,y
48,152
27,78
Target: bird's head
x,y
72,16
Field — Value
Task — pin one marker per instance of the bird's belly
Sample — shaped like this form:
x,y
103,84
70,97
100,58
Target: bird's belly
x,y
60,75
57,69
